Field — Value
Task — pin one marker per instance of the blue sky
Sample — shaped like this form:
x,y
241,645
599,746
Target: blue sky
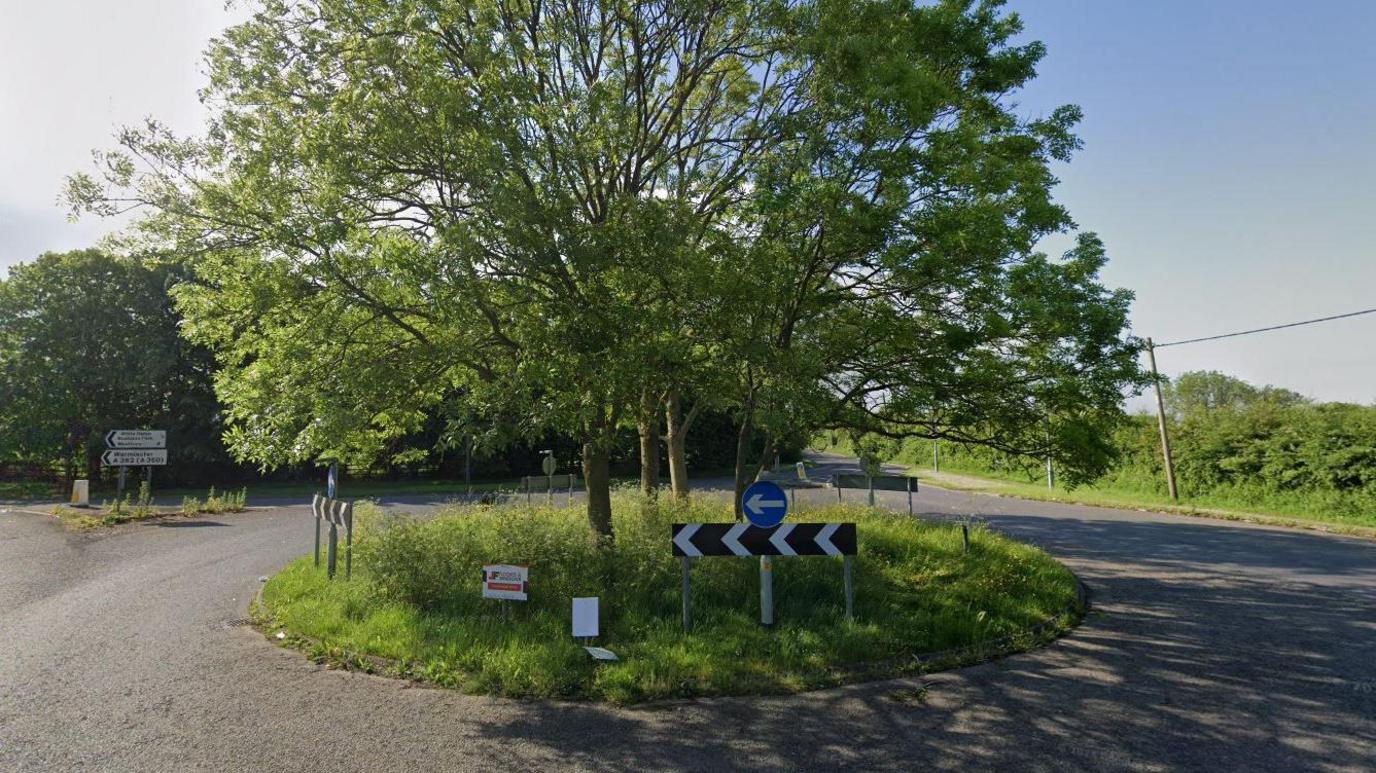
x,y
1230,166
1229,160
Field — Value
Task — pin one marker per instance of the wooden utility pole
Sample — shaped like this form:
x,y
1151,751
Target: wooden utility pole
x,y
1161,422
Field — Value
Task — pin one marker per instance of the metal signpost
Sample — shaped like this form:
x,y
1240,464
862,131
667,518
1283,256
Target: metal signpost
x,y
698,540
549,465
765,504
552,482
874,483
337,513
127,448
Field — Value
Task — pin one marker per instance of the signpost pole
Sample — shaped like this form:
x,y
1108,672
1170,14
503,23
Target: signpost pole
x,y
119,491
767,591
549,489
850,586
349,540
317,541
910,496
148,478
870,480
334,547
687,592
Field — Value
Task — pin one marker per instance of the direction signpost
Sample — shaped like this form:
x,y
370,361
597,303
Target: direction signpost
x,y
136,438
134,457
125,448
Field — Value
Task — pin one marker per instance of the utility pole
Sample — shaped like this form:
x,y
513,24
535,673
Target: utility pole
x,y
1161,422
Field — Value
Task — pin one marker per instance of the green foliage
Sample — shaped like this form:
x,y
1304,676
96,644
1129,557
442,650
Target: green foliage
x,y
88,343
130,507
1234,445
213,504
808,215
415,598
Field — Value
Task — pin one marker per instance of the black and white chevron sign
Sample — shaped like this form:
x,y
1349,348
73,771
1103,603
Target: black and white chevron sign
x,y
742,539
333,511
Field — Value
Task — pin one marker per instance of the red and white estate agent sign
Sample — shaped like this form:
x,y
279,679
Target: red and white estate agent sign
x,y
505,581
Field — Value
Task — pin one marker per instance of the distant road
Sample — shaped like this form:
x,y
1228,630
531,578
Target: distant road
x,y
1211,645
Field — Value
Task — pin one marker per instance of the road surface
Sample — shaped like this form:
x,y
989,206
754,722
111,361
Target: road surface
x,y
1210,645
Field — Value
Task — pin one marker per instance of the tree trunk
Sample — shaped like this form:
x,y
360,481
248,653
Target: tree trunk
x,y
647,422
597,479
677,426
742,449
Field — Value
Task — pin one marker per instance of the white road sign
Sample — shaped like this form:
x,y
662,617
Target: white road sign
x,y
134,457
136,438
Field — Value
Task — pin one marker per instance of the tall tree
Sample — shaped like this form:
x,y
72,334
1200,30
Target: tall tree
x,y
813,213
88,343
403,201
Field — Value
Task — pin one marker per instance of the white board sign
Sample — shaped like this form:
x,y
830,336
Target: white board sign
x,y
585,617
506,581
136,438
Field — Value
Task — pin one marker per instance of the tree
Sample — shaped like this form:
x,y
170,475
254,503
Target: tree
x,y
88,343
889,281
1209,390
811,214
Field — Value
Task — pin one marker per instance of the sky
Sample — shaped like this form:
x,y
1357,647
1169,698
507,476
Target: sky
x,y
1229,157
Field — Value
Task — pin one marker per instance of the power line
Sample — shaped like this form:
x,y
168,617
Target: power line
x,y
1265,329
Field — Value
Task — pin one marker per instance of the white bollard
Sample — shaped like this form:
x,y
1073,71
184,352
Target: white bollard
x,y
81,493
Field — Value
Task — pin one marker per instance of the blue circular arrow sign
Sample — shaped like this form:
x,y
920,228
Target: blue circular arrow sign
x,y
765,504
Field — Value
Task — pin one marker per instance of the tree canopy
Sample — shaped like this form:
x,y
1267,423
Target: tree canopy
x,y
811,214
89,342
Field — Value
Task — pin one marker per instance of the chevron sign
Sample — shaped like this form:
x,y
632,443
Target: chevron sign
x,y
693,540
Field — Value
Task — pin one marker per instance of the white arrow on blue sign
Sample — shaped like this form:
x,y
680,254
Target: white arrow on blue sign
x,y
765,504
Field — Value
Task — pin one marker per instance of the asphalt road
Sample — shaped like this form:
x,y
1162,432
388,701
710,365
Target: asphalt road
x,y
1210,645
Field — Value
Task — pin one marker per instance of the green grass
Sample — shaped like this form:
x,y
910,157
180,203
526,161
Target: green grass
x,y
1297,510
413,607
1328,510
24,490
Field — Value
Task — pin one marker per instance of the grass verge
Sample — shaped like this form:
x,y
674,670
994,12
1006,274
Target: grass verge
x,y
141,508
1101,497
413,607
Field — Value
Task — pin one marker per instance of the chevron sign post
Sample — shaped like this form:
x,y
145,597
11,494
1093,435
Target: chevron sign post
x,y
701,540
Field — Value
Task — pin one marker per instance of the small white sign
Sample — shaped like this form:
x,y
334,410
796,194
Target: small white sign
x,y
585,617
505,581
